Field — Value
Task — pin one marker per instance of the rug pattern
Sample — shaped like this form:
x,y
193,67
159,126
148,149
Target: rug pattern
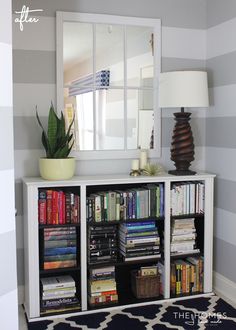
x,y
199,313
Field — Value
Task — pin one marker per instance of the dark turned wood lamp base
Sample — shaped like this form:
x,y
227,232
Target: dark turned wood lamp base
x,y
182,147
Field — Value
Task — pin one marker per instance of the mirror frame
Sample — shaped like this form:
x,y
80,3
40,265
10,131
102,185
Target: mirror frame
x,y
120,20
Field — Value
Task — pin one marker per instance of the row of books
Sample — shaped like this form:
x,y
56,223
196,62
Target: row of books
x,y
102,286
187,276
139,240
183,236
133,203
102,244
58,207
60,247
187,198
58,293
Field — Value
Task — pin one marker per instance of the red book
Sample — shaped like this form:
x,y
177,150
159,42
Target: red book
x,y
54,207
42,207
49,207
60,207
63,208
75,215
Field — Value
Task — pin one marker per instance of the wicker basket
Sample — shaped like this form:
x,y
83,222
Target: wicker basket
x,y
145,286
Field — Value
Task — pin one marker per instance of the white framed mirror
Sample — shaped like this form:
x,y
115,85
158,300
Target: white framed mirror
x,y
107,75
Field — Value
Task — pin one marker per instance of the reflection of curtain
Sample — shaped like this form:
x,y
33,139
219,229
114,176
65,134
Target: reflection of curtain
x,y
85,84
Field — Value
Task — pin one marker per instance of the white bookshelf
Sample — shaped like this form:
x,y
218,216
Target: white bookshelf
x,y
31,230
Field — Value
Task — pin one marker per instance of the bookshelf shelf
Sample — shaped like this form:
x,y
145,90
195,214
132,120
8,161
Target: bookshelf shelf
x,y
200,237
59,226
59,270
187,216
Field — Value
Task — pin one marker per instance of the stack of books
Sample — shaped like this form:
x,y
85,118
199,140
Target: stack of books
x,y
183,237
58,293
102,286
187,276
102,244
139,240
58,207
60,247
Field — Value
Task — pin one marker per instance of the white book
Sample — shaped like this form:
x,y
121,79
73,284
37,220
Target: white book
x,y
64,281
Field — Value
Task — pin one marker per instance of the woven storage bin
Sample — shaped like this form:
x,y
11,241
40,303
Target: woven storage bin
x,y
145,286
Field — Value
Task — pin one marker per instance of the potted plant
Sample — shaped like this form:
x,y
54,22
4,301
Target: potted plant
x,y
57,144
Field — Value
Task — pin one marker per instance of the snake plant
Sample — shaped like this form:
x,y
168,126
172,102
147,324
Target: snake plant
x,y
56,141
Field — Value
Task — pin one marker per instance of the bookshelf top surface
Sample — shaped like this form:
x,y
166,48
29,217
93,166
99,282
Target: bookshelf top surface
x,y
114,179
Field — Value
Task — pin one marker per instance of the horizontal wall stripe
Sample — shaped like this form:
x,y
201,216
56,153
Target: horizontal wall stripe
x,y
221,132
225,192
170,64
176,42
225,226
221,161
5,23
26,162
197,126
224,259
222,101
20,267
183,43
179,13
222,70
35,36
8,259
6,138
222,33
9,310
34,66
37,94
7,206
6,75
219,11
19,196
195,112
28,133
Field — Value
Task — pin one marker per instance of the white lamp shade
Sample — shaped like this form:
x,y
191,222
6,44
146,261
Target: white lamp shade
x,y
183,89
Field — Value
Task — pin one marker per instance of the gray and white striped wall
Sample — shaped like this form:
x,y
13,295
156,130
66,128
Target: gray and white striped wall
x,y
8,280
34,75
221,137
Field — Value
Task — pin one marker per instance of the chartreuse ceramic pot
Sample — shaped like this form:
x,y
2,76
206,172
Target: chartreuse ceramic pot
x,y
57,169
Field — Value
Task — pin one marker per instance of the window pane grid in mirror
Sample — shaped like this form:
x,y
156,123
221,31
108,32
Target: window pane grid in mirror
x,y
110,85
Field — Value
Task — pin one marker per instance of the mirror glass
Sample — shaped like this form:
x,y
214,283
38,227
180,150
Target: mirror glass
x,y
108,81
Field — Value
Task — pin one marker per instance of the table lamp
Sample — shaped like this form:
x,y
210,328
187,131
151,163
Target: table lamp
x,y
183,89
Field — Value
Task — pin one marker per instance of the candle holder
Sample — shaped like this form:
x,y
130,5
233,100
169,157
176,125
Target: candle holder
x,y
135,173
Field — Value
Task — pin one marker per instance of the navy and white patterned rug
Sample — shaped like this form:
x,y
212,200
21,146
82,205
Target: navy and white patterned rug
x,y
197,313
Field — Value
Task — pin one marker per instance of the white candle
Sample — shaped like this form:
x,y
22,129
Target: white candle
x,y
143,159
135,164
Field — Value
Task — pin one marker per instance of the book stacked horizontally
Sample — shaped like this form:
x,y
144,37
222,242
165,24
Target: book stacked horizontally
x,y
58,293
139,240
187,276
102,286
183,237
102,244
59,247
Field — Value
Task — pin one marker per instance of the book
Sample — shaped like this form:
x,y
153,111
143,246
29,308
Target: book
x,y
59,264
63,281
42,207
102,285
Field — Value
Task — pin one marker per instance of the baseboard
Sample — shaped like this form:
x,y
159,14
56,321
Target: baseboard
x,y
21,294
224,287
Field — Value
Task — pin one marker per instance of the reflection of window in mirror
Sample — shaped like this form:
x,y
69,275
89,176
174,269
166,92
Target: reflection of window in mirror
x,y
110,68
